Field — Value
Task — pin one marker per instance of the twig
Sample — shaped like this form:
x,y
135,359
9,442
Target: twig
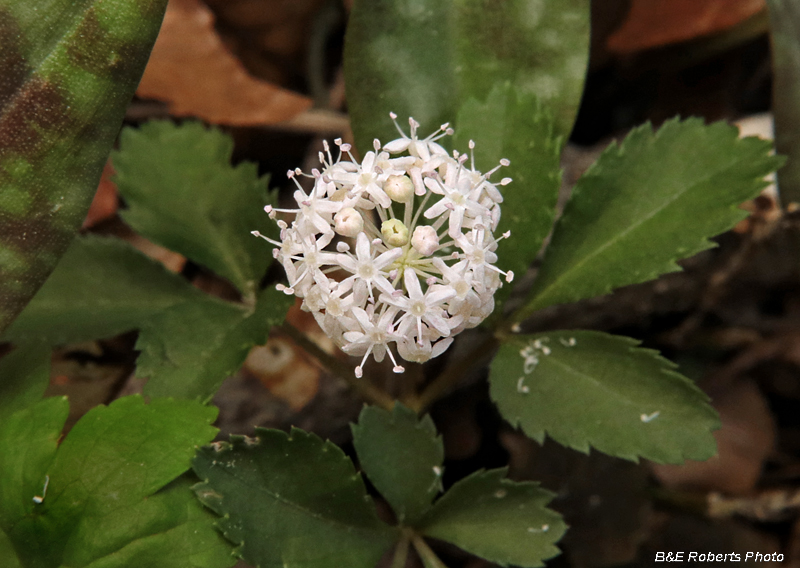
x,y
367,390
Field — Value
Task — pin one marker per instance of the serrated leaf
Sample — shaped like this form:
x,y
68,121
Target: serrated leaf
x,y
183,193
497,519
514,125
426,58
291,501
188,350
103,504
402,456
647,203
102,287
586,388
67,72
24,376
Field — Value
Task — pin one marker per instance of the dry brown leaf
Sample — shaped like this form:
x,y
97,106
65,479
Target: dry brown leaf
x,y
745,440
197,75
653,23
105,202
284,368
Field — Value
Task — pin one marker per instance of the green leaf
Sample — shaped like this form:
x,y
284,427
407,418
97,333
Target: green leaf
x,y
183,193
426,58
646,204
24,376
102,287
291,501
402,456
514,125
586,388
69,69
784,25
188,350
103,506
497,519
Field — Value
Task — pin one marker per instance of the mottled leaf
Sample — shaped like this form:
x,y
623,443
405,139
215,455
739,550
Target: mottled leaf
x,y
517,127
647,203
590,389
402,456
183,194
104,505
188,350
24,376
291,501
497,519
67,72
426,58
102,287
785,34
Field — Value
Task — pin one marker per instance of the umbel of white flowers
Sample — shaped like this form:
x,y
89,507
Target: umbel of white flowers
x,y
397,249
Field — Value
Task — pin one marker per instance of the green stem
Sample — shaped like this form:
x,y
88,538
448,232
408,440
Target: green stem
x,y
429,558
367,390
453,374
401,552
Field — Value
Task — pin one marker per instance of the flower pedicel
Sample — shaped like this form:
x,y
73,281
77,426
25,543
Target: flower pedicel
x,y
422,269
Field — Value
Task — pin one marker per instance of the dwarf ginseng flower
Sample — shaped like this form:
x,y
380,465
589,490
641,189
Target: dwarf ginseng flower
x,y
398,249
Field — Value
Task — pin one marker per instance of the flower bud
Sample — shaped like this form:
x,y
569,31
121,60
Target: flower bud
x,y
348,222
399,188
394,232
425,240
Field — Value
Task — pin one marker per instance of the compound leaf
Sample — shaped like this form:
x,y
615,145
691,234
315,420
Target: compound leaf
x,y
102,287
426,58
105,502
67,72
183,193
497,519
402,456
189,349
291,501
586,388
647,203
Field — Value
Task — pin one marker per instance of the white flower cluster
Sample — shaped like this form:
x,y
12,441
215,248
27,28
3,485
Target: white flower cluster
x,y
422,268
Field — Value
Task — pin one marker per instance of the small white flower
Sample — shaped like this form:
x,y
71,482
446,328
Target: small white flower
x,y
423,265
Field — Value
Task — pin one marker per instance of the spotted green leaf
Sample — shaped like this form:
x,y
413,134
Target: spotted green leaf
x,y
426,58
646,203
183,194
497,519
101,287
68,69
291,501
590,389
189,349
402,456
110,500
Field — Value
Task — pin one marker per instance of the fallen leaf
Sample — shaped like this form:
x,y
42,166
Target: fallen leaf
x,y
197,75
286,369
105,202
745,440
654,23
